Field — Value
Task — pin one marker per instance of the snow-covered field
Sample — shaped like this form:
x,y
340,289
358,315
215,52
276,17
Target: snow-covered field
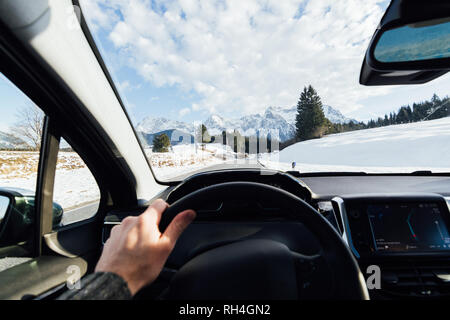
x,y
74,183
397,148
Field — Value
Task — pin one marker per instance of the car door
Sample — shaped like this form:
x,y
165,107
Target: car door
x,y
60,70
29,147
42,248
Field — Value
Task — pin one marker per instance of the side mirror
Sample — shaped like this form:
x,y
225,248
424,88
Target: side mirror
x,y
5,202
17,215
411,44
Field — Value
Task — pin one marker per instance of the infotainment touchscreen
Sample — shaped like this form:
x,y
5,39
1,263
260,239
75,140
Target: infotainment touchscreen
x,y
408,227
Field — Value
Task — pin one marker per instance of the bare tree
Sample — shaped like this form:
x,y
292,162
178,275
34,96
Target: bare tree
x,y
30,121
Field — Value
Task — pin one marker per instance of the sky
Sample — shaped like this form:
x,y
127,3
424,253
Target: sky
x,y
188,59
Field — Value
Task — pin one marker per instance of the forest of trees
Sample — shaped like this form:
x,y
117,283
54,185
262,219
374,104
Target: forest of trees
x,y
427,110
311,123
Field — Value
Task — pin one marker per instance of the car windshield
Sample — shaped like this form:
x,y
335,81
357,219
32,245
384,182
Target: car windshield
x,y
267,84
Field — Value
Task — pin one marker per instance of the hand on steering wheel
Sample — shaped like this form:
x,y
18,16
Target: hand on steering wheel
x,y
136,249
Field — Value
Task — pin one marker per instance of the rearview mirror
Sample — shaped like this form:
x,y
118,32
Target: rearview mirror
x,y
429,40
411,44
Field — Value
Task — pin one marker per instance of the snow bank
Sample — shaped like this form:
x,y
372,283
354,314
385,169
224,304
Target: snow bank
x,y
397,148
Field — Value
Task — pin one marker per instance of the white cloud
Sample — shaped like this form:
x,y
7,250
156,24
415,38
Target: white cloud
x,y
124,85
103,17
242,56
184,112
127,86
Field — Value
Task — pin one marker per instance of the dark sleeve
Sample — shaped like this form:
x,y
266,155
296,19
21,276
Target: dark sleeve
x,y
99,286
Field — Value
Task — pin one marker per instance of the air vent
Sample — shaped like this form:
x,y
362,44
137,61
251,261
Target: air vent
x,y
412,279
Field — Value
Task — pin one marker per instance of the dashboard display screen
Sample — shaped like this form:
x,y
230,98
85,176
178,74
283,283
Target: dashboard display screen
x,y
408,227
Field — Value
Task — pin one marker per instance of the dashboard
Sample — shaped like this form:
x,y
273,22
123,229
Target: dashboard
x,y
400,224
274,178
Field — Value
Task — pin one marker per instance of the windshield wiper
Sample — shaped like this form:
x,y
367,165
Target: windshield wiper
x,y
362,173
326,174
421,173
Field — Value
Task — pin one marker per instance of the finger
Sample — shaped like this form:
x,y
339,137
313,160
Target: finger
x,y
156,209
178,225
114,230
127,221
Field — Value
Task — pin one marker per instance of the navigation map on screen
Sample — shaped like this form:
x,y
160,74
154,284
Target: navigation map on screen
x,y
408,227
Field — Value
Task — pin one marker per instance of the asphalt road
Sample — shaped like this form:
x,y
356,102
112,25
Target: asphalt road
x,y
80,213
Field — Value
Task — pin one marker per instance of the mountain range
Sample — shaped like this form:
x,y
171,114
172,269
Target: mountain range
x,y
273,118
9,141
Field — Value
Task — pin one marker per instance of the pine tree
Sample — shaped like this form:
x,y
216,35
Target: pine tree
x,y
203,135
161,143
403,115
409,113
435,100
417,113
310,119
440,109
224,137
379,122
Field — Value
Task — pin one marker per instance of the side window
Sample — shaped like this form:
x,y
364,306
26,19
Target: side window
x,y
21,123
76,195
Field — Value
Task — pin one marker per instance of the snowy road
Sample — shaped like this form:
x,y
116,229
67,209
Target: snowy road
x,y
222,166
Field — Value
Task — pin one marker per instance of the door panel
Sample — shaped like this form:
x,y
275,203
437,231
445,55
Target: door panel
x,y
38,275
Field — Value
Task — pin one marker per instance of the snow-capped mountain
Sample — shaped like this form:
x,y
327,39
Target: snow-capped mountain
x,y
335,116
274,119
8,141
153,125
270,122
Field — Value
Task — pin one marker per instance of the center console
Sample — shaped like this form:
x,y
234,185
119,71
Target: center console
x,y
406,235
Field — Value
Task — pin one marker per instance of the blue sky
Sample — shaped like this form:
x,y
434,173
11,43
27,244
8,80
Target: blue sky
x,y
12,100
188,59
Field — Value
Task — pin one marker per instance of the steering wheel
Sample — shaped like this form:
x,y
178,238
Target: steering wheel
x,y
266,268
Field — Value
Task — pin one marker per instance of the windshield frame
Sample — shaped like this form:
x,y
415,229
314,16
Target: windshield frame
x,y
92,43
